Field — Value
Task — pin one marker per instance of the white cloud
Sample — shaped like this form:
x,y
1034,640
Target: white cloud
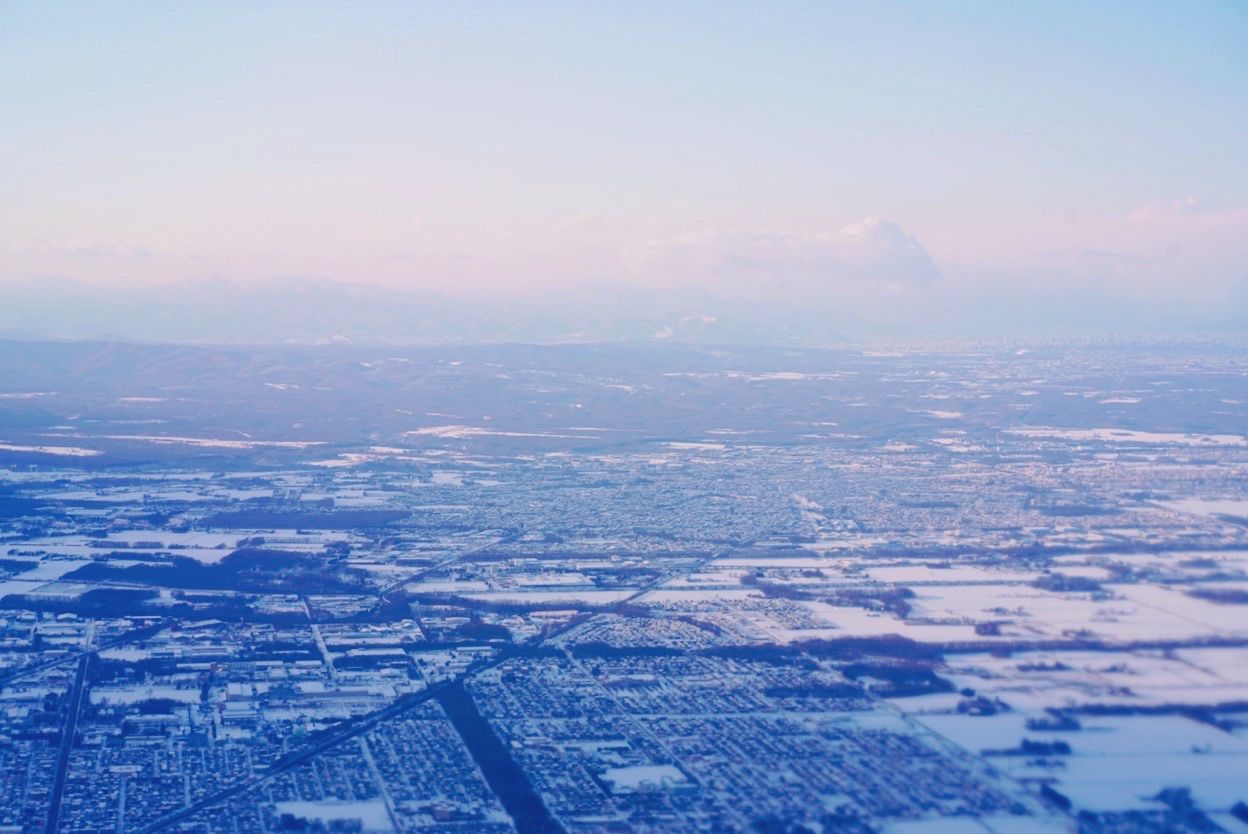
x,y
873,255
1165,209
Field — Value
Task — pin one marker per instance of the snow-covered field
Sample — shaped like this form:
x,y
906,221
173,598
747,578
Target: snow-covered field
x,y
1128,436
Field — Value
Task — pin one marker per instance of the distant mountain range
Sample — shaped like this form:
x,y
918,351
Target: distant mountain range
x,y
308,311
318,311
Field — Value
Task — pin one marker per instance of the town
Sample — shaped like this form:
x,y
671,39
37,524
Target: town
x,y
992,590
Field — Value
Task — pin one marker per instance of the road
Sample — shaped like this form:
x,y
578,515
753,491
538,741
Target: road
x,y
67,744
359,726
129,637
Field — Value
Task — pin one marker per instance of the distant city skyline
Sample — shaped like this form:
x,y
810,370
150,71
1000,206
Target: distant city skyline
x,y
885,158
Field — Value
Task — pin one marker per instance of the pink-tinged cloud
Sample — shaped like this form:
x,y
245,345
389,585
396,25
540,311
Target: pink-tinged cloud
x,y
873,256
1165,210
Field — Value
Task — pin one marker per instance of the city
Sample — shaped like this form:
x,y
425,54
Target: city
x,y
986,589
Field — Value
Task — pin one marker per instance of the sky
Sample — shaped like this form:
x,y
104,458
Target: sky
x,y
877,156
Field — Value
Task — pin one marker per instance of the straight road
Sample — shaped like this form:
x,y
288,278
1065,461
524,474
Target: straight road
x,y
67,744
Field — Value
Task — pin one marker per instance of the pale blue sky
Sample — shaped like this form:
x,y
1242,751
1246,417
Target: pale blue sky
x,y
477,145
